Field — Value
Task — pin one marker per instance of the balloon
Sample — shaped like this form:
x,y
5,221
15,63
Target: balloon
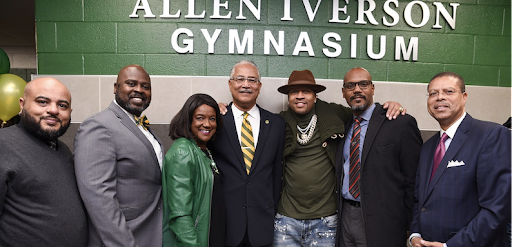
x,y
11,90
5,65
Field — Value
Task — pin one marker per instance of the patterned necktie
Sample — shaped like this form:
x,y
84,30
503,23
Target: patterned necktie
x,y
439,154
247,142
355,163
143,121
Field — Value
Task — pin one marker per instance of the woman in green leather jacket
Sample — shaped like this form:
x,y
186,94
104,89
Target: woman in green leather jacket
x,y
194,212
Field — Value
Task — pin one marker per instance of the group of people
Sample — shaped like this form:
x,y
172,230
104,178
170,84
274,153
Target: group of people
x,y
317,174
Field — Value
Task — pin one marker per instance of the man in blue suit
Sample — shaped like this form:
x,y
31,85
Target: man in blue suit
x,y
463,179
251,186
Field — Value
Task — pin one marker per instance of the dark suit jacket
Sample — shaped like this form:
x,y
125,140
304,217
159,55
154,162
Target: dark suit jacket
x,y
251,200
119,180
388,168
466,205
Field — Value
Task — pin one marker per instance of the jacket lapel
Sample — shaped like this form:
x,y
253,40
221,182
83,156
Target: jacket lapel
x,y
231,133
458,140
264,129
378,117
130,125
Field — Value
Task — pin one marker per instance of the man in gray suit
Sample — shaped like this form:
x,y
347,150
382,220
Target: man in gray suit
x,y
118,163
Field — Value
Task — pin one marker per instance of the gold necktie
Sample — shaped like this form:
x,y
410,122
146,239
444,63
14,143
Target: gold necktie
x,y
247,142
143,121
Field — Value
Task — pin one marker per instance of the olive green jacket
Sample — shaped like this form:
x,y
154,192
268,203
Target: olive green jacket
x,y
331,118
187,184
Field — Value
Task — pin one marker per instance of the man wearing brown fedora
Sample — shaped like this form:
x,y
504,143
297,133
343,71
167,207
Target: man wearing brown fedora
x,y
378,159
307,209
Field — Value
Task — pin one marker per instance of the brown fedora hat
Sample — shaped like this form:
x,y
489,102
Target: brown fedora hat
x,y
302,78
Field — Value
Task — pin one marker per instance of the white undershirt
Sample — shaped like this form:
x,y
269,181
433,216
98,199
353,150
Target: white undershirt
x,y
253,118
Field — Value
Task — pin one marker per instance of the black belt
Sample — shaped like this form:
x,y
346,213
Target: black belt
x,y
353,203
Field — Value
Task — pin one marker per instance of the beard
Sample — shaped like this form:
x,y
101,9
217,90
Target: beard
x,y
359,107
33,126
135,110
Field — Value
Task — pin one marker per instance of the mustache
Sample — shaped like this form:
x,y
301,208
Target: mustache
x,y
245,90
51,116
358,95
137,95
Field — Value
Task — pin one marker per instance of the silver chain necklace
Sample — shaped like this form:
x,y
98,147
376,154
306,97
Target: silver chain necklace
x,y
213,165
304,138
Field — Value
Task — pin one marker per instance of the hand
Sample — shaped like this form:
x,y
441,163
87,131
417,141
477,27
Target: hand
x,y
394,109
433,244
416,242
223,107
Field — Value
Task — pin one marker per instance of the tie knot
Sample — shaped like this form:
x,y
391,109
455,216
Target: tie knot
x,y
444,137
246,114
143,121
358,119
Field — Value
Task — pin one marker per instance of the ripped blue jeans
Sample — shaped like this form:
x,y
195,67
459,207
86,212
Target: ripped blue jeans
x,y
316,232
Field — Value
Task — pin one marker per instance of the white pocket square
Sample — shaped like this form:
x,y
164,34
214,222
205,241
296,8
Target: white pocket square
x,y
455,163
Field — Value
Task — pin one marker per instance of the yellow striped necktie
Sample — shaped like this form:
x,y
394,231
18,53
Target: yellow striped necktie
x,y
247,142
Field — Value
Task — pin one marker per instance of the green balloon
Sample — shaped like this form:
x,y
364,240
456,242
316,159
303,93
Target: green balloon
x,y
11,90
5,64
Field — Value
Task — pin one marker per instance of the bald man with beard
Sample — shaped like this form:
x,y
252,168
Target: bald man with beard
x,y
39,200
118,163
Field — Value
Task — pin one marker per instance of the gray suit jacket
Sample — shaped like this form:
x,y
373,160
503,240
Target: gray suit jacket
x,y
119,180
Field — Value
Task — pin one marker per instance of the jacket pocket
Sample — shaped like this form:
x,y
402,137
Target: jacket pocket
x,y
130,213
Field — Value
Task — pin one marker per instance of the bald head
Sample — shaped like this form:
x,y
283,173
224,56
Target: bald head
x,y
358,72
46,108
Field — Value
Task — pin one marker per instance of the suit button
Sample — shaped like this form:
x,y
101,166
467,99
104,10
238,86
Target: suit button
x,y
245,205
248,182
423,209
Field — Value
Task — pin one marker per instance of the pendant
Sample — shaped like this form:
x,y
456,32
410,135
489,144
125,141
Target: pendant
x,y
304,136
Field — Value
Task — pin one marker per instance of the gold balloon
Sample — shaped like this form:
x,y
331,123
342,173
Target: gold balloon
x,y
11,90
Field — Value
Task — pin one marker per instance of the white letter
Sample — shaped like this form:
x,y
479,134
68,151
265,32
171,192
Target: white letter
x,y
353,45
191,11
167,9
286,9
188,42
334,45
407,13
240,46
309,11
278,46
446,15
145,7
369,47
303,37
400,48
361,12
216,10
391,12
255,11
211,39
335,11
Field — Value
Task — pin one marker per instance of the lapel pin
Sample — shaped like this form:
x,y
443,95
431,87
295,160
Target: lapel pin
x,y
266,121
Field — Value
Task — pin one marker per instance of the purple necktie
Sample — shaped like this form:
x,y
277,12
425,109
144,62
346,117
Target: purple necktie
x,y
438,156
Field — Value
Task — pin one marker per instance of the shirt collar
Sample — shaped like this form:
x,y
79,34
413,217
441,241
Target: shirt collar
x,y
367,114
450,132
253,112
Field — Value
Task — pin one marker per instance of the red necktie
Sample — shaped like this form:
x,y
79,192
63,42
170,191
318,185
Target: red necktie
x,y
355,163
438,156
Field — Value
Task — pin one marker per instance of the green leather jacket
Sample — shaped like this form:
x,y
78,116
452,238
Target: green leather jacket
x,y
187,184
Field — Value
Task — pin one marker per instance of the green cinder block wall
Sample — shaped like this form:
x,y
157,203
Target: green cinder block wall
x,y
91,37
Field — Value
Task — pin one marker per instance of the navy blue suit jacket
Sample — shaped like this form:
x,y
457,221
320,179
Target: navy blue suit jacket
x,y
251,200
465,205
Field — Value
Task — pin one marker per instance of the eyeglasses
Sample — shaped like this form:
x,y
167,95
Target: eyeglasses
x,y
447,92
352,85
241,79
